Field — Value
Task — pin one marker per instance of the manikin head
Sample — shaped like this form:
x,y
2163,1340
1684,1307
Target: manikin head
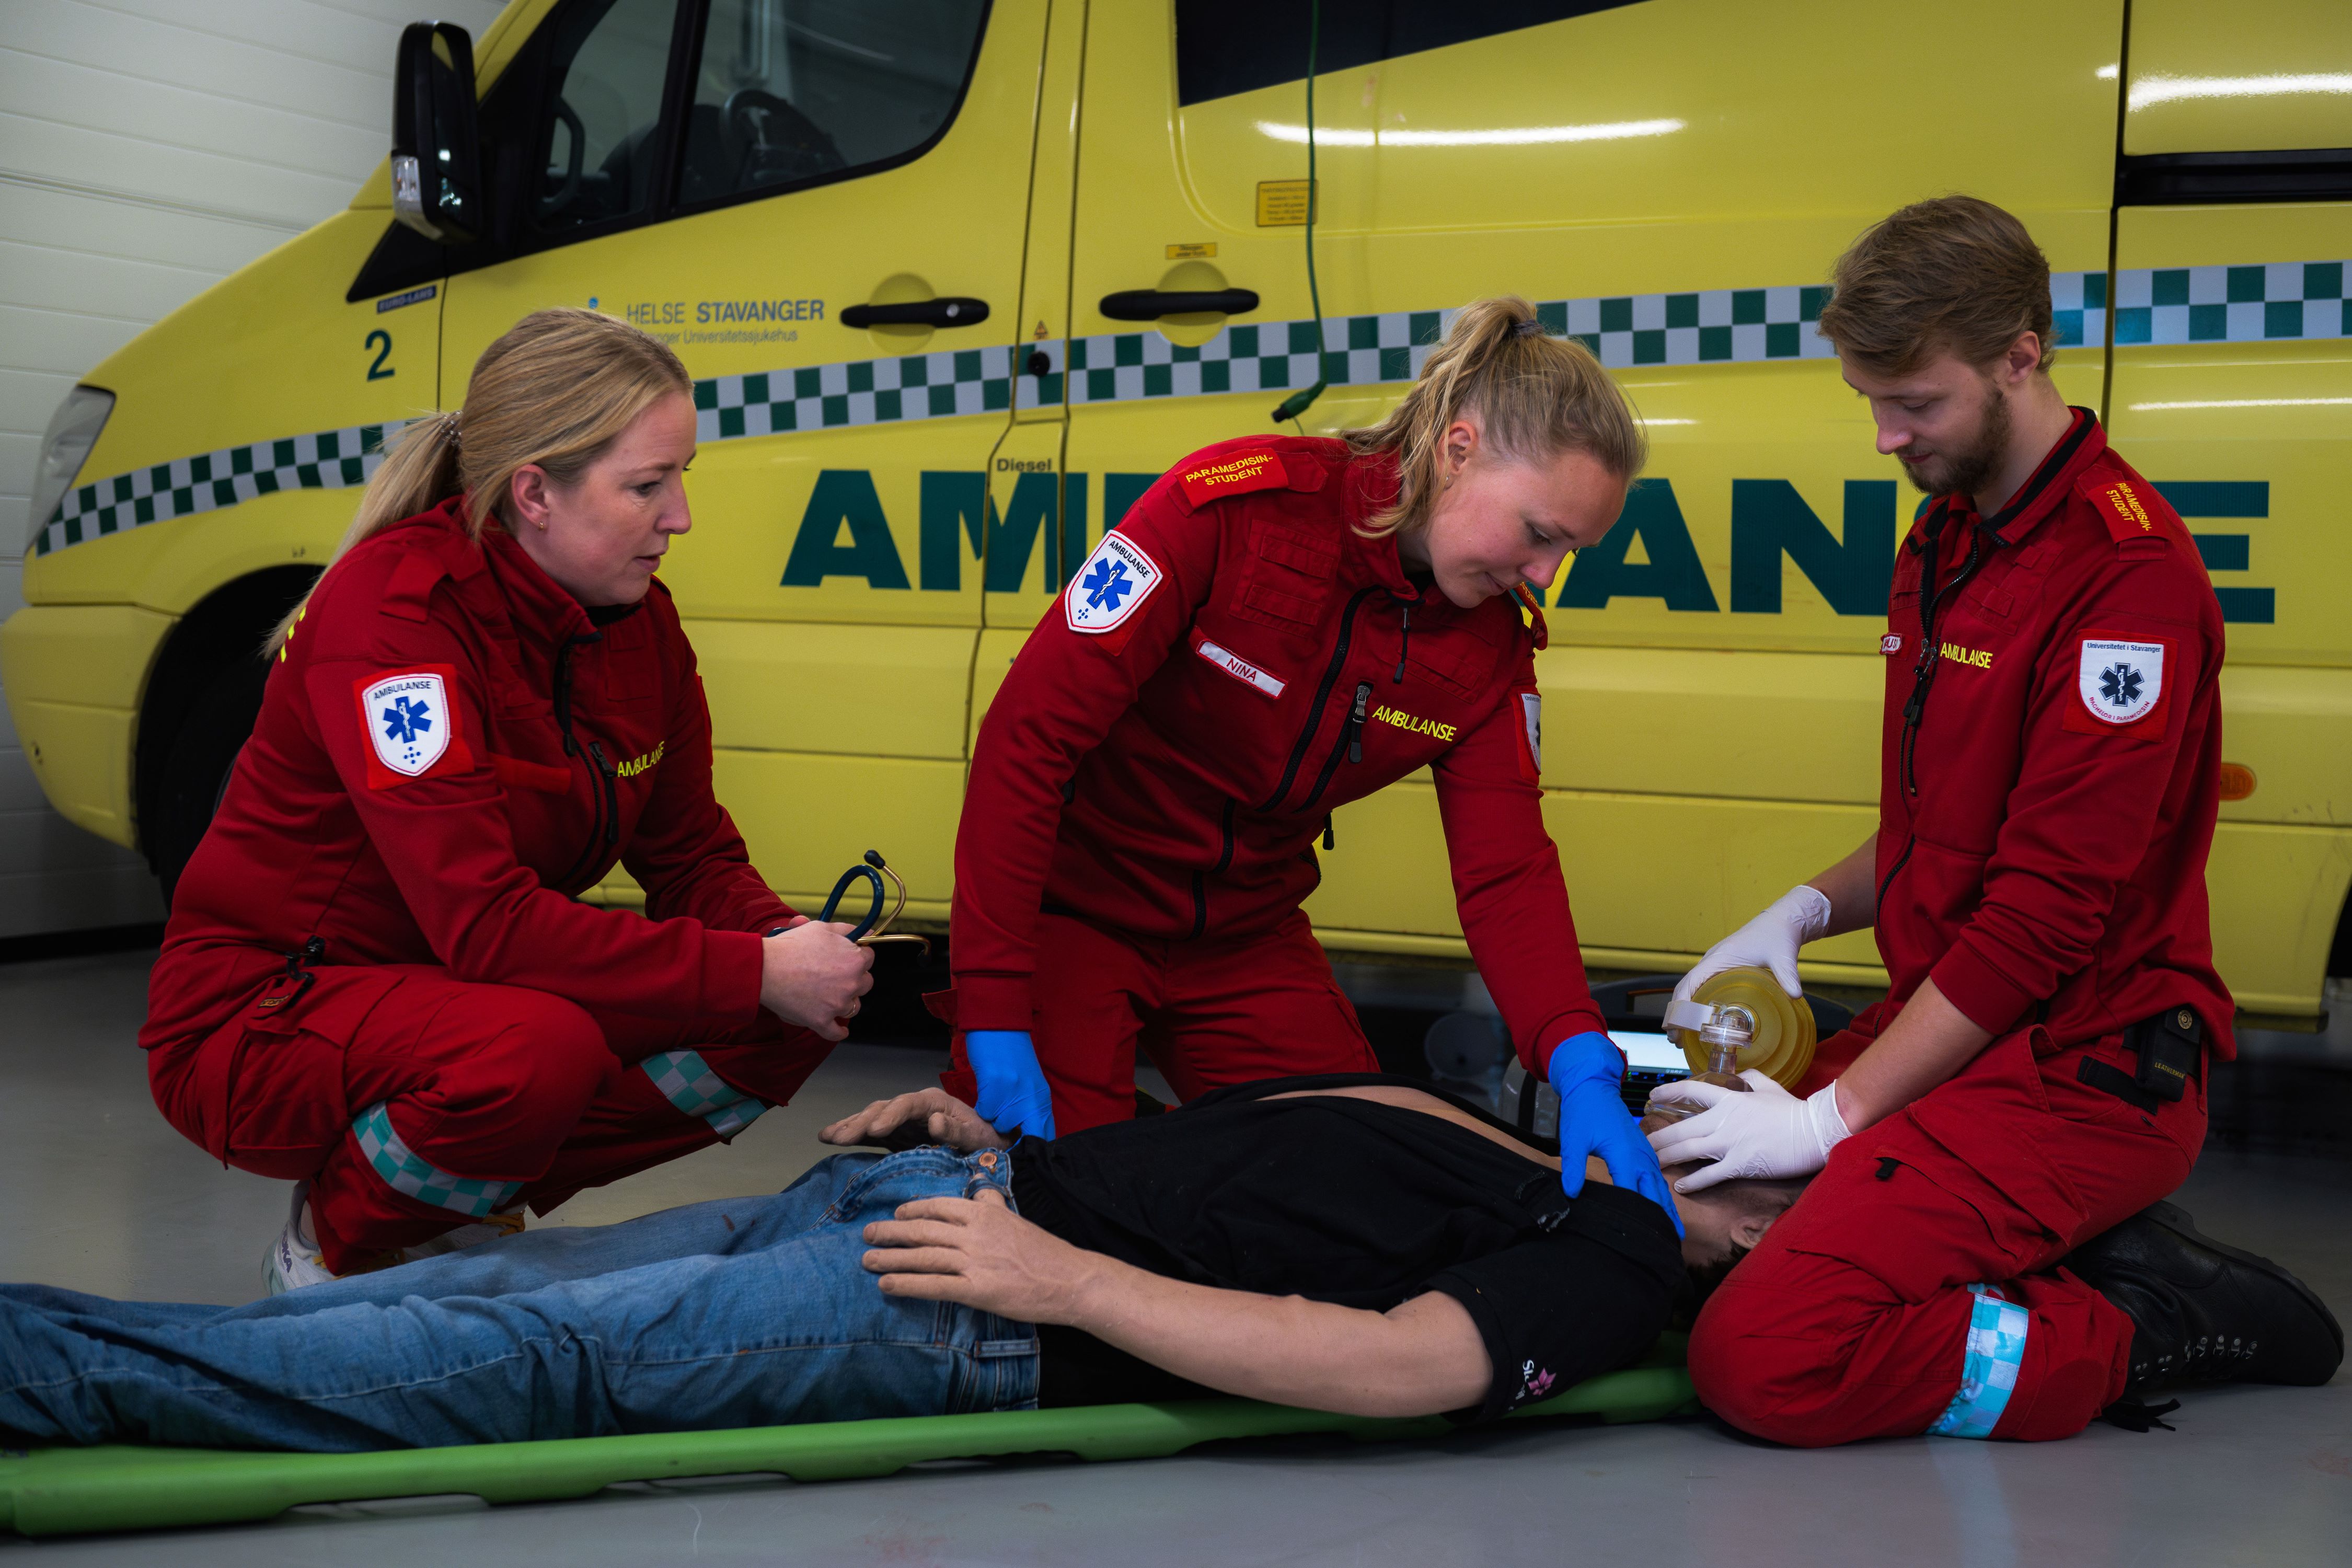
x,y
1941,318
1512,449
1722,1224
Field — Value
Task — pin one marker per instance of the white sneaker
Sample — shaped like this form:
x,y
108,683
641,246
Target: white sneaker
x,y
294,1259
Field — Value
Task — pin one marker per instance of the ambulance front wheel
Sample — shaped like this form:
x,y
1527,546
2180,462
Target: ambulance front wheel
x,y
196,774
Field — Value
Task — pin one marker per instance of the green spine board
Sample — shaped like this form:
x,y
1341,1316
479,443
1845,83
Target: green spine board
x,y
67,1492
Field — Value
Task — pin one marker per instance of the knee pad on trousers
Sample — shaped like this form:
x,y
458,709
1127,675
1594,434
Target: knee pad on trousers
x,y
515,1093
1772,1373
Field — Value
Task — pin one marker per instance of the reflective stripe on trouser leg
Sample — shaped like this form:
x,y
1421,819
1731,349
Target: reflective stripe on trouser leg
x,y
687,1081
405,1170
1996,1351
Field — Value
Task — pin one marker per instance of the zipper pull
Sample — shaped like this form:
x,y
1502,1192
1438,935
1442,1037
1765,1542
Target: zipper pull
x,y
612,794
1330,841
1356,721
1404,644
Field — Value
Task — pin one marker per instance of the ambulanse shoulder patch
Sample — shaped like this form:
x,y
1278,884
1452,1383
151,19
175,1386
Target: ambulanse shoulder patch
x,y
1232,477
411,729
1111,587
410,726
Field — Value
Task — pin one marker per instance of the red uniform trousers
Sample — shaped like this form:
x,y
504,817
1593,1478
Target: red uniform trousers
x,y
492,1083
1852,1317
1207,1012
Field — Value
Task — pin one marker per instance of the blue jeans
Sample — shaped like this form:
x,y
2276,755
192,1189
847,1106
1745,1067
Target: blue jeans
x,y
741,1312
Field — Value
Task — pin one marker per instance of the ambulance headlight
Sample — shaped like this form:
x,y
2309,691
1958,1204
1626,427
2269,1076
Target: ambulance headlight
x,y
73,431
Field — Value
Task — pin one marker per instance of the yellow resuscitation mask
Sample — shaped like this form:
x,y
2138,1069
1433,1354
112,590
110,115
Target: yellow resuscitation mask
x,y
1741,1019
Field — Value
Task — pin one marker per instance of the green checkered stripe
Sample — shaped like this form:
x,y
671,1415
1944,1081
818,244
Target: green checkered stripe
x,y
406,1170
1716,326
1993,1355
866,392
687,1081
1713,326
328,460
2232,304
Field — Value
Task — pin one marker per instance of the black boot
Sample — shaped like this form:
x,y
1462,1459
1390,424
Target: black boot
x,y
2205,1312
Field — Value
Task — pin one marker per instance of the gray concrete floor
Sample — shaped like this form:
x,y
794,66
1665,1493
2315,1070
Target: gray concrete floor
x,y
101,1195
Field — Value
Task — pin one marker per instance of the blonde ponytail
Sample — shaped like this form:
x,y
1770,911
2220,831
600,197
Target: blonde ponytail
x,y
555,391
1535,398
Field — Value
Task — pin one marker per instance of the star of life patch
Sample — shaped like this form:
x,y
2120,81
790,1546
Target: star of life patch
x,y
411,724
408,720
2120,683
1109,587
1242,669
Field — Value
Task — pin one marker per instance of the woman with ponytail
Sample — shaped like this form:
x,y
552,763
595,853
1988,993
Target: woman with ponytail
x,y
378,980
1279,627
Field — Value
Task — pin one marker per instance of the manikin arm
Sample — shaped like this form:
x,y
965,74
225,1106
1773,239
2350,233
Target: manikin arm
x,y
1419,1357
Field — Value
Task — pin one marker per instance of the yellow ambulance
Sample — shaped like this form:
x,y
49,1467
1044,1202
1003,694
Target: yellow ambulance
x,y
959,278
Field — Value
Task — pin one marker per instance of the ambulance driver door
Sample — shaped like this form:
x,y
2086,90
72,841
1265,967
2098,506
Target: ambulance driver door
x,y
820,204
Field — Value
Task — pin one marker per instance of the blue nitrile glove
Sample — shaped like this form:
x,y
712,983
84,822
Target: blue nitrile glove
x,y
1585,1072
1012,1094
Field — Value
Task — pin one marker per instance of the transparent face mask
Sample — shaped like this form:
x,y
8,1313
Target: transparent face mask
x,y
1736,1021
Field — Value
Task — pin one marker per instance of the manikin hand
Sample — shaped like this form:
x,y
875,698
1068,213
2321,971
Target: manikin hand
x,y
977,1251
945,1118
1771,942
1585,1071
812,974
1013,1097
1768,1133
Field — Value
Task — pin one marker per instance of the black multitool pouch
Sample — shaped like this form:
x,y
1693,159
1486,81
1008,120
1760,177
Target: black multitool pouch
x,y
2168,1052
2170,1046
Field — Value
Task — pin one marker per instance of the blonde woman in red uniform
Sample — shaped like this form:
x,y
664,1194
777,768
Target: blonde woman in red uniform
x,y
378,980
1279,627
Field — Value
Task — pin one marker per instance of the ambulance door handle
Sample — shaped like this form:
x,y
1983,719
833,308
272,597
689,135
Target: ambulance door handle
x,y
1150,304
951,312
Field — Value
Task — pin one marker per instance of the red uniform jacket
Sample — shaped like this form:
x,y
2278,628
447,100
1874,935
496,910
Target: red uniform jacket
x,y
450,750
1232,663
2042,830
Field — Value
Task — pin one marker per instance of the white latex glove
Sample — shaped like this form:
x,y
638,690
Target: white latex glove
x,y
1768,1133
1771,942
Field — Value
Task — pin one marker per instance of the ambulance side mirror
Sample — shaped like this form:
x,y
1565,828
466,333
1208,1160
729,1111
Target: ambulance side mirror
x,y
436,162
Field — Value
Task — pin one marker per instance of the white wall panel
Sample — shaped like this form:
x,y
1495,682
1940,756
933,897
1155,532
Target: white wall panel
x,y
148,148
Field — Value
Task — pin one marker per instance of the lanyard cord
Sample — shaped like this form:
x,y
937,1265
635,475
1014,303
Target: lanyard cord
x,y
1297,402
1923,677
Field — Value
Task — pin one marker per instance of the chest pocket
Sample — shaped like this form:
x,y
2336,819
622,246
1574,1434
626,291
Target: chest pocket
x,y
1459,657
517,702
2010,599
1287,583
631,676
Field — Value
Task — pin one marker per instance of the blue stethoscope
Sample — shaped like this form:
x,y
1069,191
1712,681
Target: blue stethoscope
x,y
874,929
